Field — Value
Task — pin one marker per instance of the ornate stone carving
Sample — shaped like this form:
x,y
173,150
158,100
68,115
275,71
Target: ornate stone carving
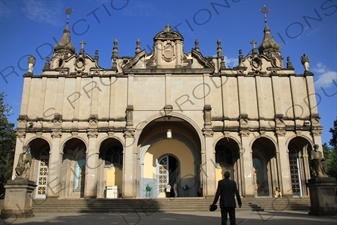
x,y
281,132
92,133
207,116
317,132
22,121
129,115
20,133
243,119
93,121
207,132
57,120
168,52
279,122
244,132
315,119
56,133
129,133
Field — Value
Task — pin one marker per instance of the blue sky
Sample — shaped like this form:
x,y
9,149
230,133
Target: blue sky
x,y
33,26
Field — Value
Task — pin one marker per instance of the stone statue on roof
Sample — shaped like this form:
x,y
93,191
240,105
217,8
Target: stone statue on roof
x,y
31,63
305,62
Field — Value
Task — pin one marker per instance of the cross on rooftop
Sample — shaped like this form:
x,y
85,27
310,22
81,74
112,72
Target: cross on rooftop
x,y
82,44
253,42
265,10
168,27
68,12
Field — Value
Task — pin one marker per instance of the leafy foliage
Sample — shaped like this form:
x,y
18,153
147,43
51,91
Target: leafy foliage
x,y
330,153
7,143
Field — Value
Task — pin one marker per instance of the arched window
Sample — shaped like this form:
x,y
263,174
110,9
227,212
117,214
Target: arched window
x,y
223,155
114,156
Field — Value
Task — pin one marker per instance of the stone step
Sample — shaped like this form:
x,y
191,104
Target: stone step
x,y
161,205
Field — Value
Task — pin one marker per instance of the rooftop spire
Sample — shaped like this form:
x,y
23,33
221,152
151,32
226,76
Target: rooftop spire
x,y
268,44
265,10
65,42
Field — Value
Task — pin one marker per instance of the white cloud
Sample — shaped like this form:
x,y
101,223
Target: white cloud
x,y
231,62
5,11
326,77
47,12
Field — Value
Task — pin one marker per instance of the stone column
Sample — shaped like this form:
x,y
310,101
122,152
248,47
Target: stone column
x,y
247,165
283,153
209,164
128,165
90,189
54,185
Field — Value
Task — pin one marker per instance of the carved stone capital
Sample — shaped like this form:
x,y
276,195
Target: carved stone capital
x,y
92,133
208,132
56,133
129,133
280,132
22,121
244,133
20,133
317,132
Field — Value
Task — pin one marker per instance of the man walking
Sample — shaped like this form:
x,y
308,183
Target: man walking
x,y
226,190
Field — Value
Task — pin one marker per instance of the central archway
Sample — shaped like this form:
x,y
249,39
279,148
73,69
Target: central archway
x,y
169,160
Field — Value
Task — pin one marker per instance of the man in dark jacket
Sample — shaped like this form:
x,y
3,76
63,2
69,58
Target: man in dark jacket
x,y
226,190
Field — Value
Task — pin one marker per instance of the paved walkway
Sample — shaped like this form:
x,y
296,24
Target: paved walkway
x,y
195,218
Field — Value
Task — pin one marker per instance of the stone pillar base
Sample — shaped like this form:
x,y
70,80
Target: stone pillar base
x,y
18,199
323,196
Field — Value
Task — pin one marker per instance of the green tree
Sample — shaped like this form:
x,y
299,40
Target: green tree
x,y
330,153
7,143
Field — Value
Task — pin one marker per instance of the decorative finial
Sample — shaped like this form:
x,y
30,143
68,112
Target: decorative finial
x,y
220,55
289,63
168,27
47,64
96,55
137,46
68,12
115,55
240,57
265,10
196,42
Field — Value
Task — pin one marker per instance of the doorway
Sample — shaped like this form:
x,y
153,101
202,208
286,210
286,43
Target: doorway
x,y
168,170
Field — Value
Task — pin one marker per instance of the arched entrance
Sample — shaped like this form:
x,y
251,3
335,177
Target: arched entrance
x,y
39,171
170,160
110,167
227,155
299,154
73,169
265,176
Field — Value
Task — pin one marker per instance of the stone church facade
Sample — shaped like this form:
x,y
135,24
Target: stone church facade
x,y
168,117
